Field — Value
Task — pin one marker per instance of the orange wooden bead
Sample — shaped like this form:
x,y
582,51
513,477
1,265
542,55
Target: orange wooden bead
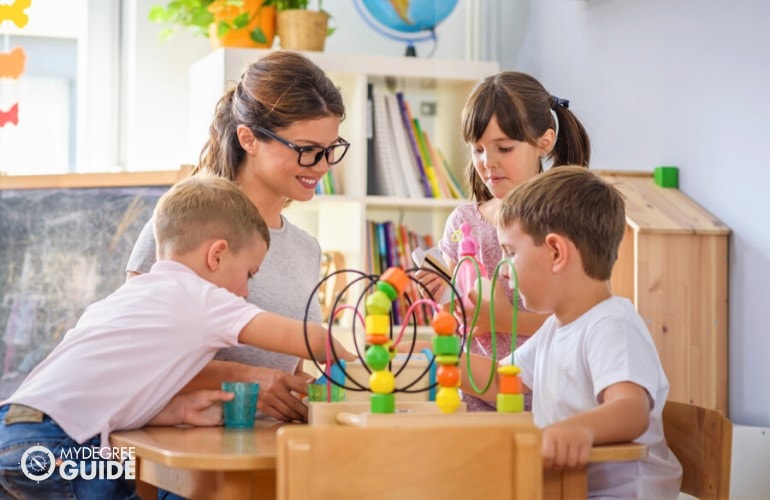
x,y
444,323
448,376
377,339
397,278
510,384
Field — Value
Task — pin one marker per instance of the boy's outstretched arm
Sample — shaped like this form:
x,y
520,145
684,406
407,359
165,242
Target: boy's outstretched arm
x,y
623,415
281,334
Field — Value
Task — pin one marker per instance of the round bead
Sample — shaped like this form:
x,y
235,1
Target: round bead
x,y
378,303
387,289
382,382
444,323
377,357
448,399
448,376
377,339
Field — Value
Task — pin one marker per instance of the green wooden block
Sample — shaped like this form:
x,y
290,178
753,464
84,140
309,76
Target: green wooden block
x,y
667,177
383,403
446,345
510,403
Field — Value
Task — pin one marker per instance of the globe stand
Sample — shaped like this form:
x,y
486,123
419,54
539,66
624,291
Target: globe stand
x,y
411,51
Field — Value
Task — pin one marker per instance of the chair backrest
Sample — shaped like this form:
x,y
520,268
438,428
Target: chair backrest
x,y
702,441
427,463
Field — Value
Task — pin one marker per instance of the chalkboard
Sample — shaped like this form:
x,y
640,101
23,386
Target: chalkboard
x,y
60,250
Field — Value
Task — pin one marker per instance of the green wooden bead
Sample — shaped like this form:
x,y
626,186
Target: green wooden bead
x,y
510,403
387,289
377,357
378,303
446,345
383,403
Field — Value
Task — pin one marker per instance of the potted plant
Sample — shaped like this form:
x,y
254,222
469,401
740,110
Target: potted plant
x,y
229,23
300,28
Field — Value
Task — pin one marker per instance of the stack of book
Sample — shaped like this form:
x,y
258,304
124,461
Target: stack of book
x,y
402,159
391,245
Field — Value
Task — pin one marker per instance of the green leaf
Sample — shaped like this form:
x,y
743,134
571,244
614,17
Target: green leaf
x,y
258,36
241,20
165,34
222,29
157,14
330,31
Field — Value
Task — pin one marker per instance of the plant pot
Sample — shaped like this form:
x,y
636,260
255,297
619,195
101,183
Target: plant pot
x,y
259,17
302,29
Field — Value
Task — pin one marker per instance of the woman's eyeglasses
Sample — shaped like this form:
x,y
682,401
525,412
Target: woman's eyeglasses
x,y
311,155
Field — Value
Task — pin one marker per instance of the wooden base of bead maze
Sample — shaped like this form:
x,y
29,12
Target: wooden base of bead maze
x,y
326,413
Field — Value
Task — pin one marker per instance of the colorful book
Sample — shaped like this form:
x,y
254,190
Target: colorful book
x,y
406,160
414,144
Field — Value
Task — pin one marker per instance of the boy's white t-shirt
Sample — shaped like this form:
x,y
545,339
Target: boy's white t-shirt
x,y
131,352
568,367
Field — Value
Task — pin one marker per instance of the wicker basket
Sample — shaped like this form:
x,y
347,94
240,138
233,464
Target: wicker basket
x,y
302,29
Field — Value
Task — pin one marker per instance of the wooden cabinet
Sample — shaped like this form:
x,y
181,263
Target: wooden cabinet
x,y
672,264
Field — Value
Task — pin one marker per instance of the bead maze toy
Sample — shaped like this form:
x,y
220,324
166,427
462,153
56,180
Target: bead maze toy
x,y
441,374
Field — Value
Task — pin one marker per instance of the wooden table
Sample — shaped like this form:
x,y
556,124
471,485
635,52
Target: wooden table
x,y
214,462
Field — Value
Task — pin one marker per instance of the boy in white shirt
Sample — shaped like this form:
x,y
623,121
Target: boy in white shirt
x,y
131,353
593,369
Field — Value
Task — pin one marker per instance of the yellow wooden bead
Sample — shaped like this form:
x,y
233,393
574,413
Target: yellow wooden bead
x,y
377,324
382,382
448,399
508,370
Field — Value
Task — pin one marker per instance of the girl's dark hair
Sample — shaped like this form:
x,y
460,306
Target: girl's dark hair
x,y
523,109
275,91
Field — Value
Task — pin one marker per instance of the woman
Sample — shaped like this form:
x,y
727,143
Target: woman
x,y
276,134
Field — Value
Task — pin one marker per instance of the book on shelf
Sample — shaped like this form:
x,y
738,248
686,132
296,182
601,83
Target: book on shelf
x,y
414,145
406,159
391,245
442,174
388,180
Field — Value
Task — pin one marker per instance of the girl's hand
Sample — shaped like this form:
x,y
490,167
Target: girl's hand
x,y
432,286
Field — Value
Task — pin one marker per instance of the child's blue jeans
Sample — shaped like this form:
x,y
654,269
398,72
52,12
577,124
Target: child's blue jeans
x,y
16,438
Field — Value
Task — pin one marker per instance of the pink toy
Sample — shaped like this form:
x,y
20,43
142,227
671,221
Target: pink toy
x,y
467,272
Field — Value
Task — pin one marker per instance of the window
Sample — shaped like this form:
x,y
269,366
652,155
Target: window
x,y
68,91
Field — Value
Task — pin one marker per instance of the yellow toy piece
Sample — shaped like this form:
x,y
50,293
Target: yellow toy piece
x,y
15,12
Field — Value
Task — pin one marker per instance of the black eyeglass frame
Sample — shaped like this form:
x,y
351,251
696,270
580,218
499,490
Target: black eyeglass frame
x,y
322,151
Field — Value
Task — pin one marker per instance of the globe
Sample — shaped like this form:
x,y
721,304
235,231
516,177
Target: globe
x,y
406,20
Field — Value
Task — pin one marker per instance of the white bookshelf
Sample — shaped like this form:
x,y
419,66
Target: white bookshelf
x,y
339,221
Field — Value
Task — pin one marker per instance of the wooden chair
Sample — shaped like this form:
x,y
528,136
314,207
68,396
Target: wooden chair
x,y
425,462
702,441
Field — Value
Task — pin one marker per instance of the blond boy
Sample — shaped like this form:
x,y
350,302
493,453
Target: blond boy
x,y
132,352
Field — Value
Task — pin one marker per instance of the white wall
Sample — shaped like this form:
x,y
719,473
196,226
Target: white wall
x,y
677,83
157,99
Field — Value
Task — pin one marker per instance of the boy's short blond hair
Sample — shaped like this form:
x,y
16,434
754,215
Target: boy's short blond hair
x,y
205,207
576,203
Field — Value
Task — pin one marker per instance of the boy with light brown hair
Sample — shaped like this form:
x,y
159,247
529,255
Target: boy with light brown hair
x,y
124,363
592,367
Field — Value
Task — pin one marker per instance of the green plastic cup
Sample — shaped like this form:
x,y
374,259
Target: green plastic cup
x,y
242,409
